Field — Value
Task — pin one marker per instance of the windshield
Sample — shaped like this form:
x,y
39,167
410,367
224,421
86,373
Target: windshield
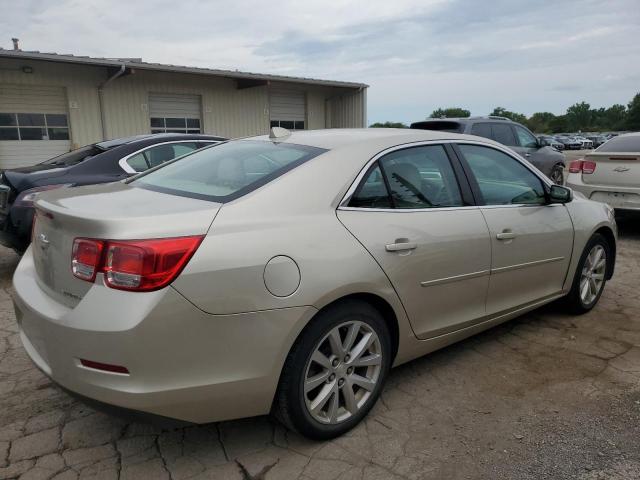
x,y
226,171
74,157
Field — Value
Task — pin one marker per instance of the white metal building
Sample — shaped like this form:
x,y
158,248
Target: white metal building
x,y
51,103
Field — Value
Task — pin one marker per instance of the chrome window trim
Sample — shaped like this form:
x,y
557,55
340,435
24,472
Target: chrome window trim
x,y
344,203
127,168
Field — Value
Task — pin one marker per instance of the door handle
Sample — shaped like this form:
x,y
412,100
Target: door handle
x,y
506,235
527,155
400,246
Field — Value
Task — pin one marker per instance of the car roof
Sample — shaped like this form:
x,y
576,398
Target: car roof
x,y
116,142
333,138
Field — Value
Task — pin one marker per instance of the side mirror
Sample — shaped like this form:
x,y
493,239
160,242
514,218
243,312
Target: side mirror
x,y
560,194
542,143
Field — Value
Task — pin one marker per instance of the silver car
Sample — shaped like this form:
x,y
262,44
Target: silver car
x,y
611,173
288,273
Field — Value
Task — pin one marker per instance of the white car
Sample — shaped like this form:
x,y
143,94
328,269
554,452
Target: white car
x,y
611,173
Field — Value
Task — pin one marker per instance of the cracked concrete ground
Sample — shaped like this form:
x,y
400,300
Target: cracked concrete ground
x,y
544,396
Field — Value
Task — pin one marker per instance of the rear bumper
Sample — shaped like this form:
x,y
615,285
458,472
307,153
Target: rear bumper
x,y
183,363
620,198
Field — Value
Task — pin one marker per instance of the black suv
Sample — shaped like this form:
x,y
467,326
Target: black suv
x,y
507,132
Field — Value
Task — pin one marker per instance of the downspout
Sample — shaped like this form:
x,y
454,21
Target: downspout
x,y
101,88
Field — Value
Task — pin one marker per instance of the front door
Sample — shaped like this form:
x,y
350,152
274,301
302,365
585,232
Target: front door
x,y
531,241
410,213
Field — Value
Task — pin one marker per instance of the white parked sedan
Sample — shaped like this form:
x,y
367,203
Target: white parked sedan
x,y
611,173
289,272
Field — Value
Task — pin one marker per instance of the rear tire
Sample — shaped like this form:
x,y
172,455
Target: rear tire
x,y
346,347
590,277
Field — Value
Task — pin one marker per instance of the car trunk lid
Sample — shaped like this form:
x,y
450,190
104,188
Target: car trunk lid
x,y
613,169
114,211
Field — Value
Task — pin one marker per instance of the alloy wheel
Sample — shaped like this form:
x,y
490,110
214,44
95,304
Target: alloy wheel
x,y
557,176
593,273
342,372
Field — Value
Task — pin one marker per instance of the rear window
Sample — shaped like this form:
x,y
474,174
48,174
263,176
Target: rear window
x,y
226,171
440,125
74,157
629,143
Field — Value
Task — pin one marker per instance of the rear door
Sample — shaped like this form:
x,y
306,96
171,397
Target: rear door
x,y
412,211
531,242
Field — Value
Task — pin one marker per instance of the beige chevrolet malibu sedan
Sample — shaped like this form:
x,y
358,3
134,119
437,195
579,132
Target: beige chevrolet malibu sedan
x,y
287,273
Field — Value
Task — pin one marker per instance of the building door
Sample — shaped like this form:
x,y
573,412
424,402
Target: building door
x,y
34,124
175,113
287,109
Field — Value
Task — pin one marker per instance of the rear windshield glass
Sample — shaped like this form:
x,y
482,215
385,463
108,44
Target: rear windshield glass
x,y
226,171
440,125
629,143
74,157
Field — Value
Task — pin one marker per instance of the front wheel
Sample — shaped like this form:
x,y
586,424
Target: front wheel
x,y
335,371
591,275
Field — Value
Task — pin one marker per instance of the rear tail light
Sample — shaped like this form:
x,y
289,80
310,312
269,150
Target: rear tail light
x,y
85,258
137,265
582,166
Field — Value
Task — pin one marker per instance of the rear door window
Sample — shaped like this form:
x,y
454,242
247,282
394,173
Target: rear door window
x,y
503,134
481,130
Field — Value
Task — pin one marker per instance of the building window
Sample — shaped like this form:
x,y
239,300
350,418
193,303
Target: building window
x,y
34,126
175,125
288,124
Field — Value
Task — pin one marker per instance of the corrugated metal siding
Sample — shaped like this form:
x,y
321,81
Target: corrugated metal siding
x,y
32,99
24,153
287,105
348,110
80,83
167,105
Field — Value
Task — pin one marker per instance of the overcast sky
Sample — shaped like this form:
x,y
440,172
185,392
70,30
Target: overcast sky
x,y
416,55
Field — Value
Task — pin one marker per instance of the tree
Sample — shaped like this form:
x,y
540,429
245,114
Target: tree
x,y
579,116
558,124
633,114
388,125
540,122
503,112
451,112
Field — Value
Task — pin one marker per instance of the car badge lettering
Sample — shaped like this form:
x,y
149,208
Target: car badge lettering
x,y
621,169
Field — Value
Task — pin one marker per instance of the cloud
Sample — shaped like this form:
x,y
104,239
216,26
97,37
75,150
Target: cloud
x,y
417,55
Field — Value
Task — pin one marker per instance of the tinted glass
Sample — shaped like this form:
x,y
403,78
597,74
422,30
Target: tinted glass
x,y
7,119
58,133
138,162
157,122
503,134
629,143
180,149
372,192
227,171
74,157
482,130
176,122
56,120
502,179
31,119
526,139
33,134
421,177
9,134
193,123
440,125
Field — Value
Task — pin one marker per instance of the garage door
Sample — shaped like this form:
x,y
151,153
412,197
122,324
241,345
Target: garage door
x,y
287,109
174,113
34,124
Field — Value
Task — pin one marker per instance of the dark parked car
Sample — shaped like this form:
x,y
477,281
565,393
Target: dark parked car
x,y
102,162
570,143
552,142
503,130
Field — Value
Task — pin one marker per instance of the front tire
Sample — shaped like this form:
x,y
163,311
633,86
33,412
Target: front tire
x,y
591,275
557,174
335,371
